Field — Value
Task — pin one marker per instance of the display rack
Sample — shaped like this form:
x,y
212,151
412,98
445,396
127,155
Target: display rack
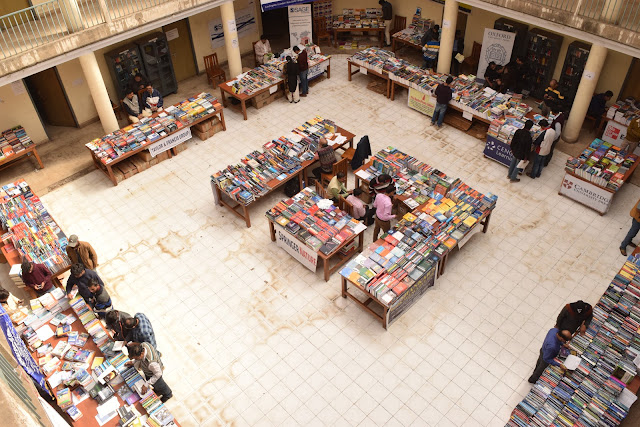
x,y
124,63
574,62
154,50
323,8
543,49
521,30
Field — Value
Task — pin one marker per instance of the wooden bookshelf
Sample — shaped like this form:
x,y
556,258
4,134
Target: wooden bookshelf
x,y
574,62
543,48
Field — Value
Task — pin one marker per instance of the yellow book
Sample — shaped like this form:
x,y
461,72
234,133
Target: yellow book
x,y
97,361
470,221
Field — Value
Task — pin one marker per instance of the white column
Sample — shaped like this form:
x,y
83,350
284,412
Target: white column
x,y
72,15
449,20
99,92
587,86
231,42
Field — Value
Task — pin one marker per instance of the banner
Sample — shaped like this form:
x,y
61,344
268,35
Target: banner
x,y
245,24
317,70
170,141
304,254
412,295
421,102
498,151
614,133
496,47
586,193
300,25
277,4
20,350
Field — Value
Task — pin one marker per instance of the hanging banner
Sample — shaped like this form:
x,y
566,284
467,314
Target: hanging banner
x,y
277,4
496,47
245,25
170,141
304,254
587,193
421,102
300,25
20,351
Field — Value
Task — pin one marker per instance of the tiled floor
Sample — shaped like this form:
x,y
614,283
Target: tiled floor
x,y
250,337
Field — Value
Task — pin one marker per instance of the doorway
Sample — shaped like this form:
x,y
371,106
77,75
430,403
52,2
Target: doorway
x,y
631,86
275,25
181,48
50,98
462,23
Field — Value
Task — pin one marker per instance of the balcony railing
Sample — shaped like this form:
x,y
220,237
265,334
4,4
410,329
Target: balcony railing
x,y
623,13
52,20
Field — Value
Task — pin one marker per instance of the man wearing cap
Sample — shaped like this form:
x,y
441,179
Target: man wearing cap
x,y
82,252
575,315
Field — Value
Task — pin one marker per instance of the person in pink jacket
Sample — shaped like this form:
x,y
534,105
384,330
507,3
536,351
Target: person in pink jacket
x,y
383,204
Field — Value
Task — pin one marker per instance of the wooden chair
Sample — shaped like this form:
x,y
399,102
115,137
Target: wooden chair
x,y
472,61
346,206
348,154
399,24
255,57
341,166
322,192
214,71
320,25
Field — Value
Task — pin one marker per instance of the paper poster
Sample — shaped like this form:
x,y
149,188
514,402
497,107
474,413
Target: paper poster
x,y
305,255
496,47
421,102
18,87
614,132
300,25
231,24
586,193
245,24
172,34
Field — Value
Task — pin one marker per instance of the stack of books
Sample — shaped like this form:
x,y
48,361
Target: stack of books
x,y
602,163
372,58
192,109
257,79
624,111
13,141
359,18
503,129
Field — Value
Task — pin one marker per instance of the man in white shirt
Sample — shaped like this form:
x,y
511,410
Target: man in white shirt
x,y
262,48
543,147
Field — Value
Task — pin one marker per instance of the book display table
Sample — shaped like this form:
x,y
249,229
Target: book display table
x,y
309,228
407,37
363,69
594,178
282,159
498,146
226,90
398,268
617,119
160,135
359,20
16,144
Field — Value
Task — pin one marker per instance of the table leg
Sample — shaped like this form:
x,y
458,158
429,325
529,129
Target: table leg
x,y
37,156
219,195
224,126
486,224
381,38
388,88
335,38
361,242
244,109
385,316
357,181
112,177
224,99
329,71
272,231
247,219
393,45
300,180
349,64
344,287
326,269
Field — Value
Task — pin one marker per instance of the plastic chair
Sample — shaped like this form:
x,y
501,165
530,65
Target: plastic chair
x,y
340,166
320,25
214,71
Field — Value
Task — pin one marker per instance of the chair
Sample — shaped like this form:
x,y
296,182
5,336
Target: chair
x,y
255,56
214,72
473,60
345,206
340,166
123,111
399,24
322,192
320,25
348,154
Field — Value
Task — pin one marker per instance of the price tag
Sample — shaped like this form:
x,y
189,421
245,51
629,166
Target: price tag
x,y
467,115
363,70
273,89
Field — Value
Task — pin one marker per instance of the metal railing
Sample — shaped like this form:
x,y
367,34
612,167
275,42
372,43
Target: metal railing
x,y
623,13
121,8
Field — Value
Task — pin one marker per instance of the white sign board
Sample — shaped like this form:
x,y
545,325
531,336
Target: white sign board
x,y
586,193
305,255
169,142
614,133
318,69
496,47
172,34
300,26
245,24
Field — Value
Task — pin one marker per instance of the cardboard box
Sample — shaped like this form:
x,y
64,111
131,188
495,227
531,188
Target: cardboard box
x,y
203,136
140,163
145,155
180,148
163,156
153,161
127,168
118,175
202,126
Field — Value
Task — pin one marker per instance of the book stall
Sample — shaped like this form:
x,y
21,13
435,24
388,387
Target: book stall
x,y
30,233
15,144
371,60
135,148
359,20
261,172
261,85
412,35
398,268
601,382
594,177
618,117
309,227
501,130
84,368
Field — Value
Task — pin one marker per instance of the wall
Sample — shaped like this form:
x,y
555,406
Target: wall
x,y
406,8
17,109
77,91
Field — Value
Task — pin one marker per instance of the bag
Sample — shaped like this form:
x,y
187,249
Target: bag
x,y
292,187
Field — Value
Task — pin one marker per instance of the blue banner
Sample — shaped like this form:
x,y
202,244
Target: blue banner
x,y
20,351
498,151
277,4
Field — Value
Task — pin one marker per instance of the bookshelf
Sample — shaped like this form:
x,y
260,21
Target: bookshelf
x,y
124,63
156,57
521,30
543,49
323,8
574,62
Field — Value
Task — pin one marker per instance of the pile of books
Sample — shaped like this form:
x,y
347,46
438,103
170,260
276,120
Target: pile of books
x,y
411,35
323,229
31,229
373,58
420,24
504,128
192,109
257,79
13,141
624,111
595,392
359,18
278,160
602,163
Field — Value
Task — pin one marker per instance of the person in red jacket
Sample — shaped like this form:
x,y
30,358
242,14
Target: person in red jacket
x,y
37,277
303,66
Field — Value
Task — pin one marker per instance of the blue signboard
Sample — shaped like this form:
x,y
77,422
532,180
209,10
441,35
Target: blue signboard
x,y
20,351
498,151
277,4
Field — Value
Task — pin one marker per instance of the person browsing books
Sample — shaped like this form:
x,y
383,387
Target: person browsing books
x,y
82,252
633,135
543,145
492,76
80,278
551,346
132,107
37,277
361,211
443,95
291,72
383,205
575,317
139,329
552,98
10,303
387,15
100,299
559,118
261,48
633,231
379,183
145,358
327,157
115,322
336,187
303,66
520,149
151,100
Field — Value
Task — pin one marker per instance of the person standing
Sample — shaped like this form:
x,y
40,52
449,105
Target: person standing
x,y
387,15
327,157
633,135
303,66
556,125
458,48
10,303
138,82
82,252
383,205
37,277
551,346
291,72
520,149
80,278
145,358
151,100
115,322
543,147
443,95
261,48
552,99
139,329
100,299
575,317
598,106
633,231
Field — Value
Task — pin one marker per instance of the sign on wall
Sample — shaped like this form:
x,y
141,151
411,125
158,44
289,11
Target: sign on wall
x,y
245,24
305,255
300,26
170,141
421,102
586,193
496,47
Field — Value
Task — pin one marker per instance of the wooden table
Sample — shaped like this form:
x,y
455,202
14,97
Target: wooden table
x,y
243,98
242,210
399,41
29,151
384,75
337,30
107,168
328,271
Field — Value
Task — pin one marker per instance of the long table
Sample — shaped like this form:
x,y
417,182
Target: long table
x,y
29,151
366,70
396,40
242,210
337,30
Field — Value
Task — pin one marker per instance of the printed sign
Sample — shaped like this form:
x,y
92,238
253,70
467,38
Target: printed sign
x,y
496,47
245,24
317,70
172,34
421,102
170,142
412,295
277,4
614,133
305,255
300,27
498,151
586,193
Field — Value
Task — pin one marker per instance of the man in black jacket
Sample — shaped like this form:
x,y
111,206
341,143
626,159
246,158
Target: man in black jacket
x,y
575,317
387,15
443,95
80,277
520,148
